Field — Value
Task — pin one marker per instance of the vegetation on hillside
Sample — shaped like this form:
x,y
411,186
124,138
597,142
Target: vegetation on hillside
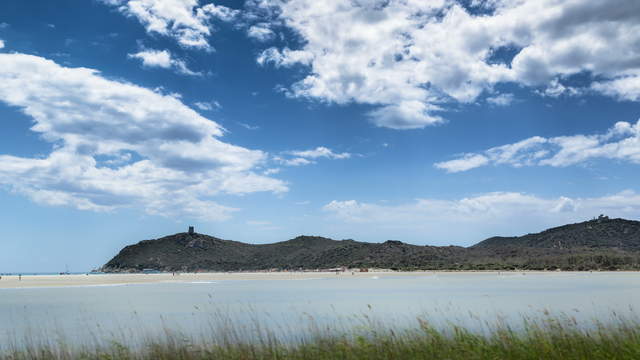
x,y
599,244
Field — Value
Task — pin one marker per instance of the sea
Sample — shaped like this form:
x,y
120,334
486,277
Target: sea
x,y
291,308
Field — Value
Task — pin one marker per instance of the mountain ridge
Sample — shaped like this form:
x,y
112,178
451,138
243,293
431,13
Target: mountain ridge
x,y
597,244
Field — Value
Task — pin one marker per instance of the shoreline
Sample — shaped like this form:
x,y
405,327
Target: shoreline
x,y
120,279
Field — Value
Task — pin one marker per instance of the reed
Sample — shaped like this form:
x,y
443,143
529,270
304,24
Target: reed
x,y
547,338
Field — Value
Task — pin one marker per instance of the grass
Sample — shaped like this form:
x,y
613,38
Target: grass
x,y
549,338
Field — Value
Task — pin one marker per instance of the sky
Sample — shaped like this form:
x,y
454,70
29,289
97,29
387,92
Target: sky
x,y
427,121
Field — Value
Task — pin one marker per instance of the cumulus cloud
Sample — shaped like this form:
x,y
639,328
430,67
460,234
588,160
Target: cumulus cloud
x,y
154,58
183,20
320,152
284,58
117,145
1,44
621,142
466,162
208,106
271,171
293,161
410,58
625,87
488,214
556,89
261,32
306,157
163,59
501,100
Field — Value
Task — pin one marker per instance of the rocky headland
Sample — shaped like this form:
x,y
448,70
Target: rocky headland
x,y
598,244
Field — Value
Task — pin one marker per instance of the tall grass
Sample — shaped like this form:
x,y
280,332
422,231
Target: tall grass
x,y
546,338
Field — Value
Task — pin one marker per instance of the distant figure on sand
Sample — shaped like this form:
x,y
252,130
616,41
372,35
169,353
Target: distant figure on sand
x,y
20,277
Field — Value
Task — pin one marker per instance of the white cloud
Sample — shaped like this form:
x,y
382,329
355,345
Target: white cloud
x,y
284,58
556,89
117,145
467,162
621,142
261,32
183,20
163,59
411,57
293,162
249,127
473,218
1,44
154,58
208,106
271,171
626,87
501,100
220,12
485,4
405,115
320,152
307,157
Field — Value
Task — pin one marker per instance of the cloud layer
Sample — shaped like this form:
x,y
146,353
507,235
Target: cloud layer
x,y
116,145
489,214
409,58
621,142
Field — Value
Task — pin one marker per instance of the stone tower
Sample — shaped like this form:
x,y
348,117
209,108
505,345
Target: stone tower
x,y
191,231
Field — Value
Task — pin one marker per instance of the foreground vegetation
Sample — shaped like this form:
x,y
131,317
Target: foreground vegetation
x,y
552,338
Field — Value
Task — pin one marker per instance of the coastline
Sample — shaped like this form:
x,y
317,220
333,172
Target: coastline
x,y
117,279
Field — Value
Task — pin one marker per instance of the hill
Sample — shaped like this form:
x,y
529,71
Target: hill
x,y
190,252
597,233
598,244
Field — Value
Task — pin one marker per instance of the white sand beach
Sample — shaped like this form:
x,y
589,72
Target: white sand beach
x,y
31,281
38,281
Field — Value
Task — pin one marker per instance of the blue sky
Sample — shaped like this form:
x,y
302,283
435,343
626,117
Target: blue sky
x,y
432,122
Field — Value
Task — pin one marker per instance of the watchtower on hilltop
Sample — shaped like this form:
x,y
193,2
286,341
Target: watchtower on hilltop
x,y
191,231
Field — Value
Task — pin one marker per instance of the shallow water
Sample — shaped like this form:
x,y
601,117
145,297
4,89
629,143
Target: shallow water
x,y
129,312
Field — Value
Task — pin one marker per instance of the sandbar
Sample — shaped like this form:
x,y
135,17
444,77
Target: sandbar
x,y
36,281
114,279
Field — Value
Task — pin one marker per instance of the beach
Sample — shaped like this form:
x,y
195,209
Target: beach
x,y
112,279
36,281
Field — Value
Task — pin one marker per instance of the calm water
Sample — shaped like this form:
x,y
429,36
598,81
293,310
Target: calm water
x,y
128,311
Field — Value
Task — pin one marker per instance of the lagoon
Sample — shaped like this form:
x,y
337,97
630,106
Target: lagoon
x,y
130,312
